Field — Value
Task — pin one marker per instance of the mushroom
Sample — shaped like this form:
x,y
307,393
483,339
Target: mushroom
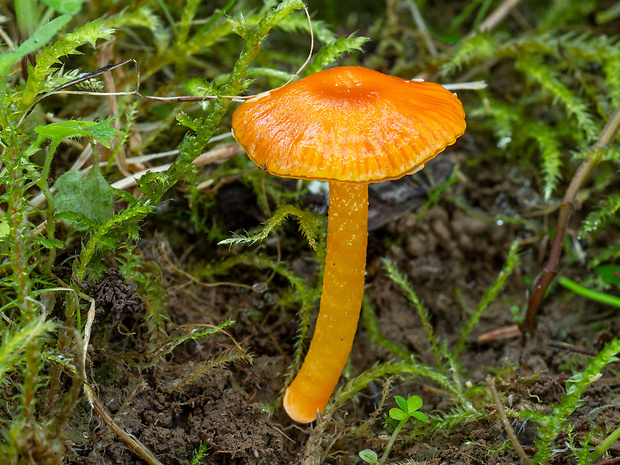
x,y
350,126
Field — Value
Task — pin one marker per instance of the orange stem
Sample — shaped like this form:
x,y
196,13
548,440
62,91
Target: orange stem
x,y
341,301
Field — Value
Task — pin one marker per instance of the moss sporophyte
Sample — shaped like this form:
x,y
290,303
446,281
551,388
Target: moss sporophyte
x,y
350,126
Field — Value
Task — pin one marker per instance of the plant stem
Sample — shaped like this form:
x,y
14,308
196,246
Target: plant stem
x,y
603,446
506,423
566,210
50,225
140,449
392,439
589,293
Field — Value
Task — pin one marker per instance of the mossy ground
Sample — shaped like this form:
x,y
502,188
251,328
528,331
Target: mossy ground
x,y
225,407
451,247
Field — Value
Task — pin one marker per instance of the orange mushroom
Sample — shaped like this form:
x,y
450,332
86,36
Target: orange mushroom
x,y
350,126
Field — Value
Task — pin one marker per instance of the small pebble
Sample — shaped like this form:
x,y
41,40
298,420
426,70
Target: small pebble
x,y
415,246
441,231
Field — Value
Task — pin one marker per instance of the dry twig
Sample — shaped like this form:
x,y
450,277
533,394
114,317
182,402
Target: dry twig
x,y
566,210
506,423
495,18
140,449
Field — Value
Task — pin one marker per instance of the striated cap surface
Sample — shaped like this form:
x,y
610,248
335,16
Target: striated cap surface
x,y
348,124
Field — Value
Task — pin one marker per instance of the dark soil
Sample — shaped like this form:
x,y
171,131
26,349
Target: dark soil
x,y
451,255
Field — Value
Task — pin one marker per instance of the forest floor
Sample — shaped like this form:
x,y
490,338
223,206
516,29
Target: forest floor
x,y
451,256
449,230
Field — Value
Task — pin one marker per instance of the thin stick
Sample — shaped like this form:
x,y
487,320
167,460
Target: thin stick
x,y
566,209
475,85
108,80
506,423
89,320
419,22
140,449
203,284
7,39
72,397
309,54
219,154
495,18
613,461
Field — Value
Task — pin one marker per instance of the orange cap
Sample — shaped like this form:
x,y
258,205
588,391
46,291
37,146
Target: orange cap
x,y
348,124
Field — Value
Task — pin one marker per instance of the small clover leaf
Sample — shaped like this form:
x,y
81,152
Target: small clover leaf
x,y
408,408
402,403
369,456
398,414
413,403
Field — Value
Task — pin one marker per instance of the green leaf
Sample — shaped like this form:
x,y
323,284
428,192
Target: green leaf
x,y
609,274
50,243
604,215
419,415
551,154
88,195
575,386
185,120
591,294
14,341
4,228
423,313
102,132
240,26
40,37
334,50
65,7
480,47
368,456
398,414
153,183
550,82
489,296
402,403
77,220
413,403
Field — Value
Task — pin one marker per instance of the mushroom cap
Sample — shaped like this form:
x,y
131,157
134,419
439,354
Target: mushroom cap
x,y
348,124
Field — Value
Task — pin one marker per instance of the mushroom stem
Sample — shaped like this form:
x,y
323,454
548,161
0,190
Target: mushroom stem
x,y
341,301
